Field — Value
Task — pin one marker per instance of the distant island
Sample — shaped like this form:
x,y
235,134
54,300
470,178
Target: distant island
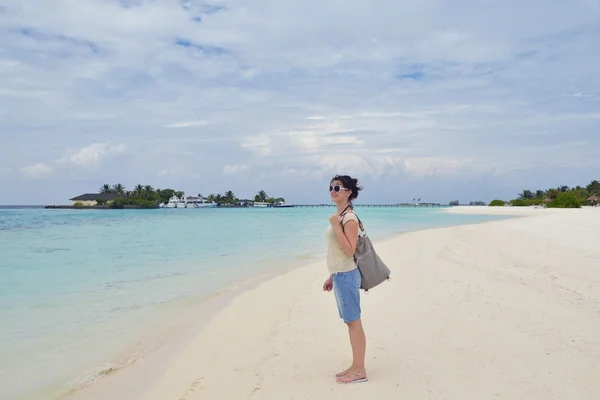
x,y
145,196
560,197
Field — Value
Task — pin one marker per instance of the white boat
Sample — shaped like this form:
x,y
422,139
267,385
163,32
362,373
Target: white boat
x,y
260,204
190,201
205,203
282,204
176,202
198,202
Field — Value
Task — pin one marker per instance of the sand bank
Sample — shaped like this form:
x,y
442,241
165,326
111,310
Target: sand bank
x,y
505,309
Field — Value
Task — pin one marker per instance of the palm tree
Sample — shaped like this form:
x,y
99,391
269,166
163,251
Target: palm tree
x,y
118,188
552,193
230,196
526,194
106,188
579,191
262,196
138,190
593,188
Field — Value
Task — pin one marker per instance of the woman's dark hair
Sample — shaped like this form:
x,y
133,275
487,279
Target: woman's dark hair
x,y
349,183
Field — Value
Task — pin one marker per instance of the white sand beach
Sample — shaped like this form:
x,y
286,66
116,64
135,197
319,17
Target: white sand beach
x,y
506,309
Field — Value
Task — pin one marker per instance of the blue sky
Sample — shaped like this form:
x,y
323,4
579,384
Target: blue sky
x,y
467,100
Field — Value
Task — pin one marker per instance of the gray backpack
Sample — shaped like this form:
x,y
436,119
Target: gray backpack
x,y
373,270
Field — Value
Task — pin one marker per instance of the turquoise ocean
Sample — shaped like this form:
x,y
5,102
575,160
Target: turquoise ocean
x,y
76,286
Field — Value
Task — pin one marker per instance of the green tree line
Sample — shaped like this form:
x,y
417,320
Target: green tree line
x,y
141,195
230,198
146,195
559,197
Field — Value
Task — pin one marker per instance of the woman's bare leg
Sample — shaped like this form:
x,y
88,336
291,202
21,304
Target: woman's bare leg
x,y
358,342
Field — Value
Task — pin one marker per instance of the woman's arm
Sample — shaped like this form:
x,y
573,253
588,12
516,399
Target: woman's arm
x,y
347,237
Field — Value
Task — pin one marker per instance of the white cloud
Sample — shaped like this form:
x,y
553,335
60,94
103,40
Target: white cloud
x,y
93,154
341,139
364,165
316,118
547,119
441,167
187,124
234,169
178,172
37,171
259,145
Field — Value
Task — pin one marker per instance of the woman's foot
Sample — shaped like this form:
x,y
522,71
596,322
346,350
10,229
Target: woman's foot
x,y
344,372
353,376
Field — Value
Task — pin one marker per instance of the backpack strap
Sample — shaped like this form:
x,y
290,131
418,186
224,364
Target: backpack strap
x,y
360,224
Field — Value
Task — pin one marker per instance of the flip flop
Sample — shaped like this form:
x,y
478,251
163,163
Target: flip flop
x,y
340,374
357,380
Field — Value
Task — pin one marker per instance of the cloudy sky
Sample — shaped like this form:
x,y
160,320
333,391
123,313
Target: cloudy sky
x,y
467,100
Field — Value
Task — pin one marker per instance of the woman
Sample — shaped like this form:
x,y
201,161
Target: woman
x,y
345,276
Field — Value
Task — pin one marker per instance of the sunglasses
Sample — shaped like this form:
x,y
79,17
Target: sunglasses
x,y
336,188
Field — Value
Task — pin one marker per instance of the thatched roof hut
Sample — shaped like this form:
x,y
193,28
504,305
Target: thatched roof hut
x,y
593,198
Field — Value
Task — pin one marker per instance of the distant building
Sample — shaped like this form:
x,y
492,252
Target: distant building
x,y
91,199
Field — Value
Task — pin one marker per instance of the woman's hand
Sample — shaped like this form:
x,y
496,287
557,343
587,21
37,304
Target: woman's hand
x,y
335,219
328,285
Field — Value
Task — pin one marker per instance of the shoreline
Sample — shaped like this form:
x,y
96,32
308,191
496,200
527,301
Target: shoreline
x,y
168,339
141,358
214,303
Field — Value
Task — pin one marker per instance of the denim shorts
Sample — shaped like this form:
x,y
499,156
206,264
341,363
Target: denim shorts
x,y
346,287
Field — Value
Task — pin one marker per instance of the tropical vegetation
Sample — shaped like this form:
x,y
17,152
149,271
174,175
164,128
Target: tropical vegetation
x,y
142,195
263,197
147,196
559,197
229,198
